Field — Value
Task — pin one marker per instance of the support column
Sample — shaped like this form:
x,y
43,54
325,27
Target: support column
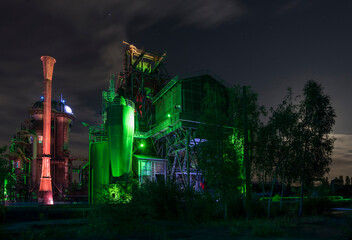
x,y
188,158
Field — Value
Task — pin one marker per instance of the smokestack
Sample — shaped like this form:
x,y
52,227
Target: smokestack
x,y
45,189
48,67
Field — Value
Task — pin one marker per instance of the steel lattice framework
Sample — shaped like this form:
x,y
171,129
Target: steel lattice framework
x,y
143,76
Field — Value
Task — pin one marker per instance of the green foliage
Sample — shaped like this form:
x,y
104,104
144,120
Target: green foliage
x,y
298,135
295,145
253,109
316,206
5,171
263,164
218,155
274,148
167,201
118,192
150,201
259,208
347,181
158,200
198,207
314,145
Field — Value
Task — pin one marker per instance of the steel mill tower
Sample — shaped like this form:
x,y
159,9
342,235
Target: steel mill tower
x,y
45,189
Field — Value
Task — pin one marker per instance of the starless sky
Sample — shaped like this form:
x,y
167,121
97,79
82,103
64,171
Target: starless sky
x,y
269,45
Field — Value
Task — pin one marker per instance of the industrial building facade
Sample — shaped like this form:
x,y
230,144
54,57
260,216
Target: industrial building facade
x,y
165,113
27,149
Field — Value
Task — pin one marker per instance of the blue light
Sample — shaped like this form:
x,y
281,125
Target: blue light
x,y
42,98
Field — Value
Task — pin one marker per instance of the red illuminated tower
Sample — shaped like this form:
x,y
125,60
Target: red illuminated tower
x,y
45,189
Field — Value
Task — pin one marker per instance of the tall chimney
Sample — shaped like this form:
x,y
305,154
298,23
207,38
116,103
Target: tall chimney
x,y
45,189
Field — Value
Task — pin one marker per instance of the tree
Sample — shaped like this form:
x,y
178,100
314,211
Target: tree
x,y
284,120
218,158
313,143
348,181
274,149
263,164
5,170
246,112
341,180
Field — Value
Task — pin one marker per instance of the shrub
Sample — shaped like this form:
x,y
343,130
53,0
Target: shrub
x,y
316,206
158,200
198,207
259,208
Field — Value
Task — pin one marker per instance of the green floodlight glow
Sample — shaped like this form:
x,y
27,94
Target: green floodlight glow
x,y
168,115
5,188
120,129
120,192
142,145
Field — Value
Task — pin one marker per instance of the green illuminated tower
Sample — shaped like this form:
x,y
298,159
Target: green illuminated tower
x,y
99,160
110,148
120,130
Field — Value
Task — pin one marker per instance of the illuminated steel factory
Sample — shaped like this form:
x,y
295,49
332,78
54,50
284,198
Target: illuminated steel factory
x,y
40,150
155,113
148,132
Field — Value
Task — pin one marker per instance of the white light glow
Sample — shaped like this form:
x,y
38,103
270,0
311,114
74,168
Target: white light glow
x,y
68,109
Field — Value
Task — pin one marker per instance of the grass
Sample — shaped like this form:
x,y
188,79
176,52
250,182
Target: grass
x,y
260,227
103,228
160,209
267,229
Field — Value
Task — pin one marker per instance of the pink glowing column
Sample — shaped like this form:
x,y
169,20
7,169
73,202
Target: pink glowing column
x,y
45,189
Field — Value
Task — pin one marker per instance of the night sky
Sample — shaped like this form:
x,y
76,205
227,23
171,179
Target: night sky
x,y
269,45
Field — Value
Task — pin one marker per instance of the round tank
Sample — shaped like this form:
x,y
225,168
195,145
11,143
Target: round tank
x,y
99,160
120,129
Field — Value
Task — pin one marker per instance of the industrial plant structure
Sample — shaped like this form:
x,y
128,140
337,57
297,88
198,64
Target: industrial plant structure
x,y
149,123
27,149
148,132
40,150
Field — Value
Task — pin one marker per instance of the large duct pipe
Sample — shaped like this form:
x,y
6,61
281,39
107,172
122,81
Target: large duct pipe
x,y
45,189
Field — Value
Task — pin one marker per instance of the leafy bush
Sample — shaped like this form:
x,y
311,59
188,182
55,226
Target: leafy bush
x,y
198,207
158,200
259,208
316,206
236,207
